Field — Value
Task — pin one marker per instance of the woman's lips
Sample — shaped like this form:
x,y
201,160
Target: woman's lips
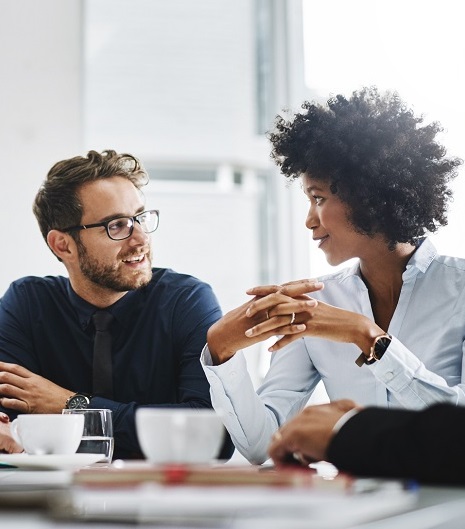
x,y
322,240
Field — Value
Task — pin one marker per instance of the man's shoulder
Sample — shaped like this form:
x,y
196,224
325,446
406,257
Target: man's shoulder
x,y
166,277
33,295
37,285
31,282
170,289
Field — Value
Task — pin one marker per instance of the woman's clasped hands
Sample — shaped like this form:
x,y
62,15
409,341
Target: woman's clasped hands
x,y
291,313
284,309
274,310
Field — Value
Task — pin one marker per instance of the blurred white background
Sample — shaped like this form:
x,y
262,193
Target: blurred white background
x,y
415,47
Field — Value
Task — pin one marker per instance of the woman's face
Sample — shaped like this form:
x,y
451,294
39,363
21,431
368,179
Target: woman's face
x,y
328,219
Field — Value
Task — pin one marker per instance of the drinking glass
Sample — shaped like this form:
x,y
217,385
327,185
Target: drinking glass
x,y
97,437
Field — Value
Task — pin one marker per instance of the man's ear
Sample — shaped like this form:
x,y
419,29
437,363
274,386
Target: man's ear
x,y
61,244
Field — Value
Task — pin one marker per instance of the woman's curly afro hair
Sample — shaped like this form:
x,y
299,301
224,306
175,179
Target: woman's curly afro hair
x,y
378,158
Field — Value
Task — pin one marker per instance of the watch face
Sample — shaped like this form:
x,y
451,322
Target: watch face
x,y
381,345
78,402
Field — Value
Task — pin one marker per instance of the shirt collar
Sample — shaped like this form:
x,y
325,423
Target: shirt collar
x,y
421,259
85,310
423,256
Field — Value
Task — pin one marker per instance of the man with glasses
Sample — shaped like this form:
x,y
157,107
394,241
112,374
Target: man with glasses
x,y
92,215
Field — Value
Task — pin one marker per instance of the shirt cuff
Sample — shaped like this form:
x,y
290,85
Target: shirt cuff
x,y
206,357
340,423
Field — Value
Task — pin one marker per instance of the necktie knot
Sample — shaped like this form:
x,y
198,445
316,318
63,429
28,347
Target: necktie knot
x,y
102,320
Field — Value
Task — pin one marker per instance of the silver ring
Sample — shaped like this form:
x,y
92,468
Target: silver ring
x,y
267,315
292,318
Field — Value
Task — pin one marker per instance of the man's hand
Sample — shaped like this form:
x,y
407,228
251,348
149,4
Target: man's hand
x,y
7,443
308,435
269,313
25,392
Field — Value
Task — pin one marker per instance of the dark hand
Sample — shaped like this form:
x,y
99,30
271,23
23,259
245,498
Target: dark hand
x,y
307,436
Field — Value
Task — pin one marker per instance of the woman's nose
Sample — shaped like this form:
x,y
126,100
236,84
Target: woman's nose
x,y
312,221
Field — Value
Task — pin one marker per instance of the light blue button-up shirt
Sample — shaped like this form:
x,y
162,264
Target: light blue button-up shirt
x,y
423,364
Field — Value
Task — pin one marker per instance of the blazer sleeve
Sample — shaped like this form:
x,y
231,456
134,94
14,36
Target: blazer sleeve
x,y
426,445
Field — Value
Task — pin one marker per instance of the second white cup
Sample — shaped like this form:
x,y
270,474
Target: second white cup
x,y
179,435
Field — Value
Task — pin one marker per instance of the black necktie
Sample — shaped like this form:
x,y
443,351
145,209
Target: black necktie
x,y
102,367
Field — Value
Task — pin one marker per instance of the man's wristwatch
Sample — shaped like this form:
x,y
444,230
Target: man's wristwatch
x,y
377,350
78,401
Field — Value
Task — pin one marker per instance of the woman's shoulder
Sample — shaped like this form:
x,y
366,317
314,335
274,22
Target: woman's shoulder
x,y
450,261
427,255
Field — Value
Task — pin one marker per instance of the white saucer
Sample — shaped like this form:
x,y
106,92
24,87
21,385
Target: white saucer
x,y
50,461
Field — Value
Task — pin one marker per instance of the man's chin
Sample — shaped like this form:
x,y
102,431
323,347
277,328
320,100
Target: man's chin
x,y
139,280
143,279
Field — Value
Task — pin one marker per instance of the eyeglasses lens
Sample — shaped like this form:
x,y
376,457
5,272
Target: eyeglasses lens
x,y
148,220
121,228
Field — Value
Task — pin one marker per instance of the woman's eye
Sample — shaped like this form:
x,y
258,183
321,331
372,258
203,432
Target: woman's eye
x,y
318,200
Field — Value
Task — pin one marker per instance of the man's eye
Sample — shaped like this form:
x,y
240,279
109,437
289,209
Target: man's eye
x,y
118,225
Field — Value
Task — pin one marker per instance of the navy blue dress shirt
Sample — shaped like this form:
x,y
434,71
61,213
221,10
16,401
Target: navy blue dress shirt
x,y
157,337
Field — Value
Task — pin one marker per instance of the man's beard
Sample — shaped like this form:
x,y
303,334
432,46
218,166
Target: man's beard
x,y
108,276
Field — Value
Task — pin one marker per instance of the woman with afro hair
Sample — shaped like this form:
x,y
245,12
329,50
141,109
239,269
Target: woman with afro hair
x,y
389,330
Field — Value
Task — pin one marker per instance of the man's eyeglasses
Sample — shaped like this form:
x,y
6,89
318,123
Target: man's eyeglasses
x,y
121,228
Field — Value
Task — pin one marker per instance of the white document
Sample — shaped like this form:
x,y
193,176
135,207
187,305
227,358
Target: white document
x,y
239,507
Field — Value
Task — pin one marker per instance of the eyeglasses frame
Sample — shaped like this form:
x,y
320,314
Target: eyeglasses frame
x,y
105,224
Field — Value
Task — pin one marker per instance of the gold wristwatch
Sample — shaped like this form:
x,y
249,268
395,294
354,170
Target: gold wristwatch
x,y
377,350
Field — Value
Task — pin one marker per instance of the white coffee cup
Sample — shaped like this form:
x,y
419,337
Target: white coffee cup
x,y
51,433
179,435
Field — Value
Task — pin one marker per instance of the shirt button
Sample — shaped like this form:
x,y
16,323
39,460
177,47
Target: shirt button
x,y
389,375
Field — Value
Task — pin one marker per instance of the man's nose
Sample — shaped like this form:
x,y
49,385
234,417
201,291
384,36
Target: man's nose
x,y
138,235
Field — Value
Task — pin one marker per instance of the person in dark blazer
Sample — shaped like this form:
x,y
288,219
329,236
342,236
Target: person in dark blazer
x,y
426,445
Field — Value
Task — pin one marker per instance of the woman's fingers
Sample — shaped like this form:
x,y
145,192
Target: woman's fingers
x,y
278,305
281,325
293,288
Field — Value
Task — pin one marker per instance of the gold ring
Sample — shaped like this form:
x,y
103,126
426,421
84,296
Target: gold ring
x,y
292,318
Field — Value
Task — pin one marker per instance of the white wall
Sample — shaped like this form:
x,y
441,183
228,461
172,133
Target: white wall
x,y
173,80
209,233
40,120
